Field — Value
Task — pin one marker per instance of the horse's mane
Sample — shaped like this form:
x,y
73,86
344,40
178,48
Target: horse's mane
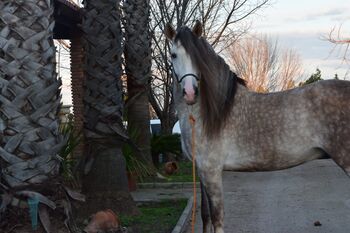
x,y
218,84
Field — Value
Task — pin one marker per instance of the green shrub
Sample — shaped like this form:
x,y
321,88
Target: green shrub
x,y
135,164
73,139
162,144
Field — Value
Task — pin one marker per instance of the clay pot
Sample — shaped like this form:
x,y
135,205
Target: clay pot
x,y
171,167
103,221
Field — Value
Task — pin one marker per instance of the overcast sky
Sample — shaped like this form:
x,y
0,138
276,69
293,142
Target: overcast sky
x,y
301,25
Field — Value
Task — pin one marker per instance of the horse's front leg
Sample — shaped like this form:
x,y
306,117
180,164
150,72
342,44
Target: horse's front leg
x,y
205,211
212,181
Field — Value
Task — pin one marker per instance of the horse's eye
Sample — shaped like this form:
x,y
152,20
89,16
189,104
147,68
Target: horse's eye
x,y
173,55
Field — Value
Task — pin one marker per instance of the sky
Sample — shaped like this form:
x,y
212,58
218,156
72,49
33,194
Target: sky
x,y
302,26
63,71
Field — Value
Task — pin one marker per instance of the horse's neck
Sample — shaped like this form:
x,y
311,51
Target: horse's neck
x,y
241,93
185,110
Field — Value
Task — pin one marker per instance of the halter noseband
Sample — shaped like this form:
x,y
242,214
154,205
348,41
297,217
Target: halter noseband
x,y
184,76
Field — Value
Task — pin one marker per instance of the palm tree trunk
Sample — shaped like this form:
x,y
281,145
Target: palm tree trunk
x,y
103,106
29,93
138,69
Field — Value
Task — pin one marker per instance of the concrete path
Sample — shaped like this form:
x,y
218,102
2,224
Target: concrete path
x,y
288,201
159,194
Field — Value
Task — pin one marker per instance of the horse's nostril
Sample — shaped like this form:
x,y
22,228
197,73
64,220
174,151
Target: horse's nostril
x,y
183,91
196,91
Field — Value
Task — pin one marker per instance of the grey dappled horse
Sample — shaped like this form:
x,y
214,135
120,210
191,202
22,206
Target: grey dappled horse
x,y
240,130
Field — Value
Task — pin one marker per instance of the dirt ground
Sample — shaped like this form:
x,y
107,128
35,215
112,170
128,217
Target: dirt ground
x,y
17,220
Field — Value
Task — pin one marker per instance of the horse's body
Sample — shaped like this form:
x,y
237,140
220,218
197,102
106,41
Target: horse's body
x,y
279,130
258,132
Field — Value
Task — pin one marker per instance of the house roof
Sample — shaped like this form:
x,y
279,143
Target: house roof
x,y
68,18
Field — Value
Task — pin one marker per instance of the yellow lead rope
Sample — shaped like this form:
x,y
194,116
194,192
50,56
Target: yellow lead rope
x,y
193,122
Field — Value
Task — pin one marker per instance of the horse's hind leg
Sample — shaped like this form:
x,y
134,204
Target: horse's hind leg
x,y
341,156
212,181
205,211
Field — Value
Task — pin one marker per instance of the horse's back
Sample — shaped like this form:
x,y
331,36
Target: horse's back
x,y
329,105
329,92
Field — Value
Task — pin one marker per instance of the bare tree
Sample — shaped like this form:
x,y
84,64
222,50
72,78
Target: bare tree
x,y
264,65
336,37
290,70
224,21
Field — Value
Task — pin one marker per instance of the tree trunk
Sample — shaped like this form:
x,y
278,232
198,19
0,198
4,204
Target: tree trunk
x,y
103,108
138,117
29,94
168,119
138,69
109,163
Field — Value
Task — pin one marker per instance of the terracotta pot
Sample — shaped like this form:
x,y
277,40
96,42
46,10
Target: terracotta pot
x,y
105,220
171,167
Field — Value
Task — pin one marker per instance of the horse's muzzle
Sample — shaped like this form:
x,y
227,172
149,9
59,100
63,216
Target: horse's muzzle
x,y
190,95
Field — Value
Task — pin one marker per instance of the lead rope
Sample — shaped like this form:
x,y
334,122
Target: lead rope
x,y
193,122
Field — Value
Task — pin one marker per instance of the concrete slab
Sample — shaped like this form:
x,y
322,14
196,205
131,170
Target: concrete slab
x,y
159,194
288,201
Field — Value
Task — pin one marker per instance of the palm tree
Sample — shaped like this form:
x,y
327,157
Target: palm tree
x,y
103,103
29,95
138,63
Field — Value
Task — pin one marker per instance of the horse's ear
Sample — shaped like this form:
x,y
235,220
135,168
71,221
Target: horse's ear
x,y
169,31
197,28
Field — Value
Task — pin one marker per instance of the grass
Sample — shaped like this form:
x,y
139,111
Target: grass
x,y
184,174
160,217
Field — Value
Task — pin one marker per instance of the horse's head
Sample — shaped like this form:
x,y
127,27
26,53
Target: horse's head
x,y
202,74
184,68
